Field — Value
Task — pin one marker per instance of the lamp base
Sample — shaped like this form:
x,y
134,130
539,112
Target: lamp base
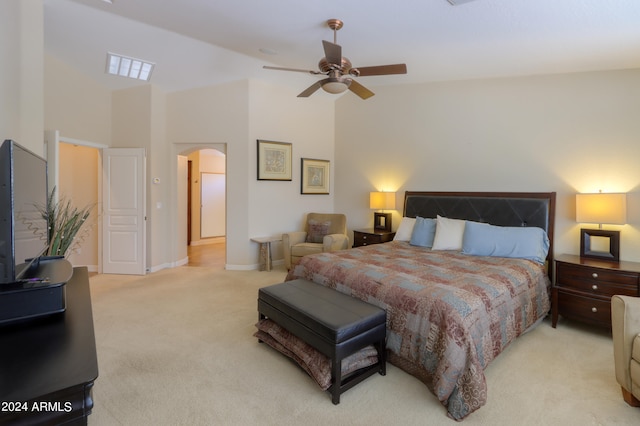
x,y
382,222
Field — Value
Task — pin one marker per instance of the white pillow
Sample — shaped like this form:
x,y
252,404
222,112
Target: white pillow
x,y
405,229
449,234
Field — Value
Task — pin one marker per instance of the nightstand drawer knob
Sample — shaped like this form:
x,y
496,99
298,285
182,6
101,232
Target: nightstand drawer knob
x,y
594,287
594,309
364,237
594,275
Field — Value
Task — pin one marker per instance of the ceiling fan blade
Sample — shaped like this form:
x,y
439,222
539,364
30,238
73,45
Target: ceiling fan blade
x,y
383,70
360,90
291,69
310,90
332,52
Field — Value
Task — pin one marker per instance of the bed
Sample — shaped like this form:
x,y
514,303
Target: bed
x,y
451,310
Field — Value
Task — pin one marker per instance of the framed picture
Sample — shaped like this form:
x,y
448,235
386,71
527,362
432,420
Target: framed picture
x,y
315,176
274,160
600,244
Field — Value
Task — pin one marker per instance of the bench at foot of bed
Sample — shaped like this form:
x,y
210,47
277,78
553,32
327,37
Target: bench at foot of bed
x,y
335,324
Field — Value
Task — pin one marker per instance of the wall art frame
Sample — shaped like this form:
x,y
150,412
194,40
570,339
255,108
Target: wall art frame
x,y
274,160
314,176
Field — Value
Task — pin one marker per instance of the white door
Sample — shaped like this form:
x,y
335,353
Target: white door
x,y
212,211
123,210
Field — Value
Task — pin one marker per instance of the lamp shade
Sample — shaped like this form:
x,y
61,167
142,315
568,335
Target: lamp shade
x,y
601,208
382,200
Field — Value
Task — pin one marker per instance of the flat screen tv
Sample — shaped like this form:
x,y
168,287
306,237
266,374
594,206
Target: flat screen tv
x,y
23,193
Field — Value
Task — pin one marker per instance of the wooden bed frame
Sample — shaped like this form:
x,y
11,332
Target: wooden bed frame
x,y
496,208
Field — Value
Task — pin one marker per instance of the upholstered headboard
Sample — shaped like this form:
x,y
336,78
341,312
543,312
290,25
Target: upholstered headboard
x,y
495,208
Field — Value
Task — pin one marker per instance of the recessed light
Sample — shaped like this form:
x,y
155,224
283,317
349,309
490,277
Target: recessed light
x,y
125,66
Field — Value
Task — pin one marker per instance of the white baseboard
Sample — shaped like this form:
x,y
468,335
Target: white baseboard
x,y
175,264
252,267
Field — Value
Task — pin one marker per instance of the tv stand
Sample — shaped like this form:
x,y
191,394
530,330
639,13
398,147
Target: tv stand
x,y
50,365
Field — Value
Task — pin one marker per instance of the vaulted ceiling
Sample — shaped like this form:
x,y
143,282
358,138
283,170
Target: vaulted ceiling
x,y
203,42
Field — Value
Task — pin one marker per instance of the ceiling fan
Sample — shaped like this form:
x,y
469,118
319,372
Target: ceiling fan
x,y
339,71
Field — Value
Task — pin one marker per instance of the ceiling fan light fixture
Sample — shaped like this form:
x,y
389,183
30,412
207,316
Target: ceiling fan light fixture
x,y
339,70
335,84
335,87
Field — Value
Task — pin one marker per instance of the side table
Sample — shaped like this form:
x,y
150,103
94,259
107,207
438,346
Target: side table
x,y
583,287
265,250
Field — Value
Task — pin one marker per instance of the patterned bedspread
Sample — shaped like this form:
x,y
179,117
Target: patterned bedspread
x,y
448,315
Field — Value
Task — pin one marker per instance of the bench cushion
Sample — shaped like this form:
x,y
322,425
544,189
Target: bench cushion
x,y
316,364
334,316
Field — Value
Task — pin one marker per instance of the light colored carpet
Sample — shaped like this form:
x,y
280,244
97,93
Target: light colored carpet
x,y
176,347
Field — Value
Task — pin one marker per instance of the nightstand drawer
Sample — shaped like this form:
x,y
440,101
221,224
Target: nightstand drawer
x,y
596,281
364,239
367,237
589,309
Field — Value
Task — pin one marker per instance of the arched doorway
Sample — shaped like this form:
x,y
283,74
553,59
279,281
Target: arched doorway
x,y
201,190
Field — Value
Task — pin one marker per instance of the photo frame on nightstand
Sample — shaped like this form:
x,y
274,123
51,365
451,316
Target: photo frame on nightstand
x,y
382,221
600,244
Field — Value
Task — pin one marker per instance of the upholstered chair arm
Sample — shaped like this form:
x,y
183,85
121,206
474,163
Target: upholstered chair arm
x,y
625,326
290,239
334,242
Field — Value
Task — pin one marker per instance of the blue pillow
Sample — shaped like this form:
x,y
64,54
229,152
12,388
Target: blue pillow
x,y
424,231
482,239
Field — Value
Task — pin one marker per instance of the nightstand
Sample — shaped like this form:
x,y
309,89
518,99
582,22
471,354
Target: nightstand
x,y
365,237
583,287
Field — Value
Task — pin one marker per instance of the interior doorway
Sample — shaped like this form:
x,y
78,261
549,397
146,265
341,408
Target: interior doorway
x,y
78,182
205,201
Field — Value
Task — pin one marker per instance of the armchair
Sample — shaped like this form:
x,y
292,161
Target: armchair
x,y
625,329
323,232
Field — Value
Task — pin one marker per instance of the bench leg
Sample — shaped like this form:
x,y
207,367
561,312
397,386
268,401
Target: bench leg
x,y
382,357
336,376
260,317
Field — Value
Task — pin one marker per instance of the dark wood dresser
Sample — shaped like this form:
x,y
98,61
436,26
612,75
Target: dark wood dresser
x,y
365,237
48,366
583,287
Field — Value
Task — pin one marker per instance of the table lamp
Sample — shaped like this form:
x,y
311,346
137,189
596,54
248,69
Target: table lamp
x,y
601,208
382,201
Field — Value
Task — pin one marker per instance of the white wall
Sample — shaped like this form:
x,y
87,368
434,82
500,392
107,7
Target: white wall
x,y
214,115
75,105
21,73
158,185
238,114
277,114
565,133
